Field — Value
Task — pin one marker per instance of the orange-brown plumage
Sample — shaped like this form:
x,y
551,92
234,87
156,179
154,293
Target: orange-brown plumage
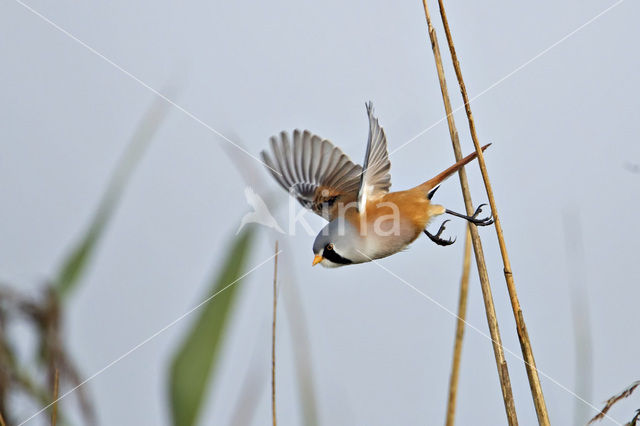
x,y
366,221
413,205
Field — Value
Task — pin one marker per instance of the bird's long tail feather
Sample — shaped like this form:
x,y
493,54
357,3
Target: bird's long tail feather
x,y
437,180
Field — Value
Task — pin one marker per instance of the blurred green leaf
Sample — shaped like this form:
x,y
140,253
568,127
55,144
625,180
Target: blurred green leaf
x,y
75,263
194,362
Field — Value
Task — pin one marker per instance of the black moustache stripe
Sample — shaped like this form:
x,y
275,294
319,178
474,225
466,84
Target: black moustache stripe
x,y
335,257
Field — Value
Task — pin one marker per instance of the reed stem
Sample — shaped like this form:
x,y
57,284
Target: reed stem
x,y
501,362
273,338
457,348
523,335
54,410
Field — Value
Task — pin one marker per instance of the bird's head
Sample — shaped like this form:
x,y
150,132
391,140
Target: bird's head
x,y
336,245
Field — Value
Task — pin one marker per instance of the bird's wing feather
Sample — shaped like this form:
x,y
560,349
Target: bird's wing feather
x,y
312,170
376,177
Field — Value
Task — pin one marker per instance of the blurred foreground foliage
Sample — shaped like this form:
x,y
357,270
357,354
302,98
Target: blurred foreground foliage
x,y
193,362
44,314
31,377
78,259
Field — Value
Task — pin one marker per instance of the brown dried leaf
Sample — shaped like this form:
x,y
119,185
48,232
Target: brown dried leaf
x,y
634,420
611,401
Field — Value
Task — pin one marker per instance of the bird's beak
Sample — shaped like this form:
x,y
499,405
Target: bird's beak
x,y
317,259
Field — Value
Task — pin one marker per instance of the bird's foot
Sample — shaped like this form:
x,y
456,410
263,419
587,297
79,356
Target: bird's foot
x,y
474,218
437,239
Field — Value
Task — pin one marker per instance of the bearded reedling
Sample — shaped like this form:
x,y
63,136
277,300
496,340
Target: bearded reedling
x,y
366,221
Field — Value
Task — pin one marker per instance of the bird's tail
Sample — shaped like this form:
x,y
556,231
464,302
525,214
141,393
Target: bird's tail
x,y
433,182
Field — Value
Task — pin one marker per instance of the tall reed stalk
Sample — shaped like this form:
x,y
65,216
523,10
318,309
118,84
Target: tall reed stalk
x,y
54,409
501,362
457,348
523,335
273,338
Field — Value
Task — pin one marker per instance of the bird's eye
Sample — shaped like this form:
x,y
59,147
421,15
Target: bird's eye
x,y
331,200
329,247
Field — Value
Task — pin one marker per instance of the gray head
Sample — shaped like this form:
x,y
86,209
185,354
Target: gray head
x,y
337,245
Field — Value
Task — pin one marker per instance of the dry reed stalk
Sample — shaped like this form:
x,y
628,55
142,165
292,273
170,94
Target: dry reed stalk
x,y
54,409
457,348
523,335
302,353
273,338
501,362
2,423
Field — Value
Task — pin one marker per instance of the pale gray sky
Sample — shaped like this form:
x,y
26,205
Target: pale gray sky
x,y
563,127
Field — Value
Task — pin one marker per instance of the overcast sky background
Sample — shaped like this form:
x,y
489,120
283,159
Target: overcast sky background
x,y
565,134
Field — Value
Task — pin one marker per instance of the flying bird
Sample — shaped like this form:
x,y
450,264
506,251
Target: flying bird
x,y
366,221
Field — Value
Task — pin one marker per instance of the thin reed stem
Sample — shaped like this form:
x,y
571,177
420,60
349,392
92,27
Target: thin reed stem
x,y
523,335
2,423
54,409
583,352
303,361
501,362
457,348
273,338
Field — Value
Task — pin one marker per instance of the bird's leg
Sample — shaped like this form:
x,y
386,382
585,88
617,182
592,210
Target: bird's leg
x,y
474,218
436,238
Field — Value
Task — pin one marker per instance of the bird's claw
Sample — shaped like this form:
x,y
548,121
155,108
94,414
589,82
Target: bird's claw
x,y
437,239
481,222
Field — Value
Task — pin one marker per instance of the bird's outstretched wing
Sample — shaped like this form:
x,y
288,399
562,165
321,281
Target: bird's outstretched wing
x,y
376,177
314,171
